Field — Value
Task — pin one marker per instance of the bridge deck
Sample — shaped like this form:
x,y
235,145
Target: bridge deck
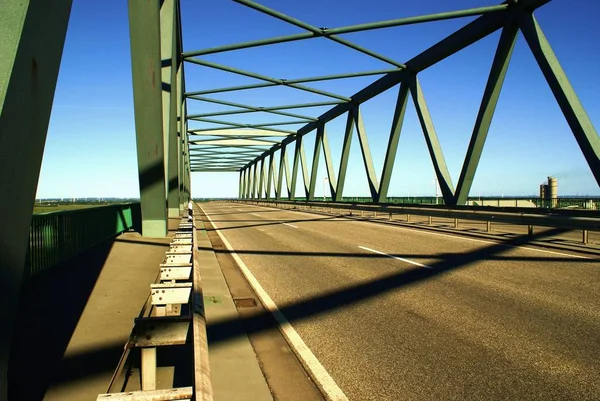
x,y
75,320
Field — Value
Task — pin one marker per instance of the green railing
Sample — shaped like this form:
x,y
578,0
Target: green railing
x,y
57,236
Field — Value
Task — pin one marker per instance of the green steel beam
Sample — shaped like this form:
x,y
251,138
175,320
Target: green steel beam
x,y
264,78
366,153
462,38
304,167
213,170
283,107
248,109
270,176
278,82
254,181
314,172
240,185
144,26
328,163
317,31
282,160
238,126
576,116
238,133
31,44
180,134
297,152
169,51
390,154
232,142
344,158
486,112
433,145
351,28
263,176
261,125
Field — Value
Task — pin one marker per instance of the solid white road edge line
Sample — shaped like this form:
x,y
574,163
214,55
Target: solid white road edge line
x,y
320,376
396,257
290,225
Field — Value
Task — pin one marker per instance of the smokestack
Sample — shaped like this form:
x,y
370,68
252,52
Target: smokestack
x,y
552,191
543,191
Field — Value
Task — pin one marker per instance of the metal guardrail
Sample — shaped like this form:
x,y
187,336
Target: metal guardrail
x,y
57,236
566,219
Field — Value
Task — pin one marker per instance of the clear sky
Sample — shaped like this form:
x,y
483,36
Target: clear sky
x,y
90,148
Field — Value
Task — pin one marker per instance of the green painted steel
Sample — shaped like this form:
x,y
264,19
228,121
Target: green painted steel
x,y
58,236
433,144
565,95
169,49
390,154
366,152
32,35
486,112
144,26
248,109
328,163
316,31
264,78
353,28
345,156
274,82
314,171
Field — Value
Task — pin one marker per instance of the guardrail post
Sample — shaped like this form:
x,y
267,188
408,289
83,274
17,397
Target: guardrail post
x,y
429,220
585,237
390,216
408,218
530,230
455,223
375,214
489,226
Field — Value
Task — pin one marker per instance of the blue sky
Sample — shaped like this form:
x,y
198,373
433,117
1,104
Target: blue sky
x,y
90,148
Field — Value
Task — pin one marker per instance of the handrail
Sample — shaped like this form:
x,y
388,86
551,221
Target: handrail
x,y
57,236
523,216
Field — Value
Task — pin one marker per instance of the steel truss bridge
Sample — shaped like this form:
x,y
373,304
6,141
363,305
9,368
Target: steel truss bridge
x,y
265,154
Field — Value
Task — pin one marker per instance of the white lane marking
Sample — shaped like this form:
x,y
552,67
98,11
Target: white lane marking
x,y
289,225
240,210
254,214
482,241
396,257
320,376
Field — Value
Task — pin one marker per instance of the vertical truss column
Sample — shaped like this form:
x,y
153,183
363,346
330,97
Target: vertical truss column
x,y
248,181
169,62
240,184
297,156
486,111
254,181
314,172
567,99
28,71
345,156
144,28
180,134
270,176
366,153
328,164
186,162
390,154
435,150
279,182
261,179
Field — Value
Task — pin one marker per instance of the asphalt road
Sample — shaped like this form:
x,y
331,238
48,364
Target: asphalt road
x,y
396,313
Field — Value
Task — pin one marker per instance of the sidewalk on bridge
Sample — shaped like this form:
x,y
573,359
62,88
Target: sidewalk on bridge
x,y
76,319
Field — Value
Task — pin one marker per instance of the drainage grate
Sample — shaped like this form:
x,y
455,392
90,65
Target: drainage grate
x,y
245,302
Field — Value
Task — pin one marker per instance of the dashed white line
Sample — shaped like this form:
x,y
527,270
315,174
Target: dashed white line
x,y
254,214
412,262
318,373
289,225
477,240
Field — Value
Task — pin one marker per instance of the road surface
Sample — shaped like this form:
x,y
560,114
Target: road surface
x,y
395,313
